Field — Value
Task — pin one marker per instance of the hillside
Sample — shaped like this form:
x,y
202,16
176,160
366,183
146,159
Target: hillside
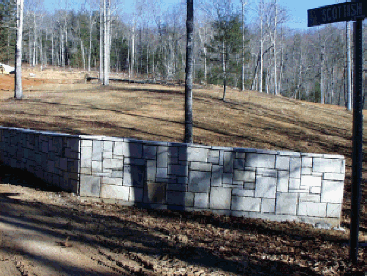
x,y
154,112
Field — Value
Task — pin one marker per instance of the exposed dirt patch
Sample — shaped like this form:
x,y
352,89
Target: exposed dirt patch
x,y
155,112
47,232
7,82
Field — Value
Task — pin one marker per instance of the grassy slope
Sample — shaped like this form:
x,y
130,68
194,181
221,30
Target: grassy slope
x,y
153,112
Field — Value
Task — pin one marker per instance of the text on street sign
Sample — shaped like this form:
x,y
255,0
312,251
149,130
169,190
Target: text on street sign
x,y
337,13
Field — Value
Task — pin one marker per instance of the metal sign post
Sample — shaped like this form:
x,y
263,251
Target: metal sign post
x,y
357,11
357,141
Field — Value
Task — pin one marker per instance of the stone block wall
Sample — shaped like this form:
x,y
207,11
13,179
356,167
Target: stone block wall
x,y
255,183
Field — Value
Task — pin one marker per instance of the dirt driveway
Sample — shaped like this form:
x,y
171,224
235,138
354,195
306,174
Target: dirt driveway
x,y
45,232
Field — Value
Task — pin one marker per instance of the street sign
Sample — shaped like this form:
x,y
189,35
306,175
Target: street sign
x,y
356,11
336,13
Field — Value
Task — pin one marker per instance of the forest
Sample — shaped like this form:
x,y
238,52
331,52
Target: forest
x,y
262,54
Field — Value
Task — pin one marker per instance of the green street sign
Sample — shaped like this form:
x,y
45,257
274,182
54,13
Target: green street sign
x,y
337,13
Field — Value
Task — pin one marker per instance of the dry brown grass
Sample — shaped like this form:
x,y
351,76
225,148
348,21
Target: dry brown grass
x,y
155,112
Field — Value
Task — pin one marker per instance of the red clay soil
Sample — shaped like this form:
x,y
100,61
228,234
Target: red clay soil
x,y
7,82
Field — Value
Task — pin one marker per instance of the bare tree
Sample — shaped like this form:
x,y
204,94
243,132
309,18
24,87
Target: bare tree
x,y
18,90
189,71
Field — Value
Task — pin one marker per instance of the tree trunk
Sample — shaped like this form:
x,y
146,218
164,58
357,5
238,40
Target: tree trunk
x,y
18,90
101,43
90,41
189,72
224,72
261,47
243,45
275,49
52,49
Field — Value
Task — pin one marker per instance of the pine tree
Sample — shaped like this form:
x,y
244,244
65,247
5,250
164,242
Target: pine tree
x,y
225,48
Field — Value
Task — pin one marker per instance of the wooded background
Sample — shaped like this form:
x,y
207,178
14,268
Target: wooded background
x,y
262,54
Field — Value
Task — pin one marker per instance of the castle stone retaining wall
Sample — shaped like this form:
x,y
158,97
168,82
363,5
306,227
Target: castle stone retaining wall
x,y
267,184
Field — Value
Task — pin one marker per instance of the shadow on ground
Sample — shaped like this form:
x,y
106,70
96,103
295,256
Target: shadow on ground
x,y
149,242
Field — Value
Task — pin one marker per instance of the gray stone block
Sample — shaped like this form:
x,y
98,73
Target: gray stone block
x,y
73,144
73,166
180,198
117,173
266,172
118,148
162,157
239,164
268,205
260,160
306,162
182,180
86,152
243,193
178,170
283,181
107,146
332,191
247,176
113,164
111,181
182,153
107,155
334,176
310,181
309,197
199,182
176,187
249,186
220,198
117,192
286,203
162,172
228,158
89,185
97,150
133,150
282,163
85,143
312,209
333,210
294,184
328,165
306,171
155,192
315,190
86,170
216,177
133,176
134,161
96,166
201,200
151,170
200,166
213,157
197,154
249,204
265,187
150,152
241,155
227,178
295,167
136,194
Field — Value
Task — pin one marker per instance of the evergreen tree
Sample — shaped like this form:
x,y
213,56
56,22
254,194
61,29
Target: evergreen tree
x,y
7,30
225,50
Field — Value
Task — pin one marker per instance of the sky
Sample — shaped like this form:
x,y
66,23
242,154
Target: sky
x,y
297,9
